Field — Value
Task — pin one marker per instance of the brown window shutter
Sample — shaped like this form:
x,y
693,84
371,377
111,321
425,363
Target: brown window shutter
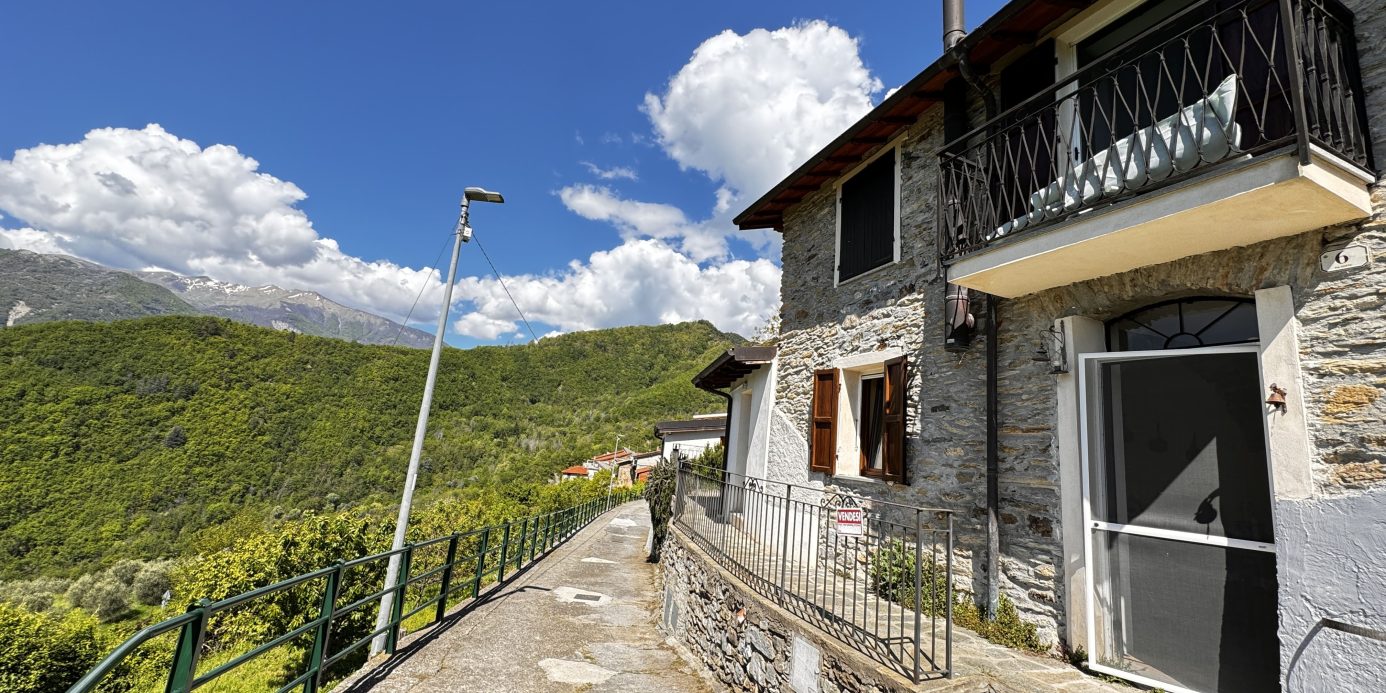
x,y
893,438
823,422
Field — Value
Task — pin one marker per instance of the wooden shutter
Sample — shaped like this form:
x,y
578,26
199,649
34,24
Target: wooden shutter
x,y
867,201
893,436
823,422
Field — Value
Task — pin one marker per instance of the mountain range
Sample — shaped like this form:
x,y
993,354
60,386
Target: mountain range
x,y
37,287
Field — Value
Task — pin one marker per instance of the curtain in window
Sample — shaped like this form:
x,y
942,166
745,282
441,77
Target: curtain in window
x,y
872,424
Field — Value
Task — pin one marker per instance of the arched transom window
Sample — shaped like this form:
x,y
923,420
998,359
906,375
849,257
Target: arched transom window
x,y
1184,324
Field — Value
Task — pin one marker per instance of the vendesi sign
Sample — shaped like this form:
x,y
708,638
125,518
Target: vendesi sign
x,y
849,521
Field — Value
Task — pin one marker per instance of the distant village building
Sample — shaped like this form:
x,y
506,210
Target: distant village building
x,y
627,464
691,437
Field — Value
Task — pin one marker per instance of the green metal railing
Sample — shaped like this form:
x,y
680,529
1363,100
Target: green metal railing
x,y
490,553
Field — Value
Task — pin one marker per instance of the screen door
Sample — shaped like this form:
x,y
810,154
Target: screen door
x,y
1182,588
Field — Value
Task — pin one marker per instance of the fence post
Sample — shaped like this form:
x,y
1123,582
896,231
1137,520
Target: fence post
x,y
948,631
784,536
184,669
329,605
446,585
918,586
677,508
480,562
397,617
1289,22
505,548
520,554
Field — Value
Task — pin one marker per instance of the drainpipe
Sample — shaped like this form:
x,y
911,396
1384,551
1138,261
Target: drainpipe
x,y
953,33
953,26
993,465
726,430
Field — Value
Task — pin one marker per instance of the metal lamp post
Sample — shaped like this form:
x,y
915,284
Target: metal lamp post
x,y
462,235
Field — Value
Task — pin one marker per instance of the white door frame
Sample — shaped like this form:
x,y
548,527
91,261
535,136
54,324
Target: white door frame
x,y
1089,524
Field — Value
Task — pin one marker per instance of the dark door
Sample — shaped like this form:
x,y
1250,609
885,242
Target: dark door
x,y
1181,542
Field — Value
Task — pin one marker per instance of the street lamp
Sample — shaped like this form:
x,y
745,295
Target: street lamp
x,y
462,234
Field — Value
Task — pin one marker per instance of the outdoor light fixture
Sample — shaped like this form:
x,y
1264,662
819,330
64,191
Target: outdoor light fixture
x,y
482,195
1277,397
958,321
1051,350
470,195
462,234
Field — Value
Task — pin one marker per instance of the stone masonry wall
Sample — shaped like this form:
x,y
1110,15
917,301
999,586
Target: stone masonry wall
x,y
748,645
1341,330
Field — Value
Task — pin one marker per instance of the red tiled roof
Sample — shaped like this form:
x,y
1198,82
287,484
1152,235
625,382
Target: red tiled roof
x,y
575,470
623,453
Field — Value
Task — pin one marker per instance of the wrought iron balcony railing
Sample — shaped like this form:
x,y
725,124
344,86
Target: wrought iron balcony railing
x,y
1218,82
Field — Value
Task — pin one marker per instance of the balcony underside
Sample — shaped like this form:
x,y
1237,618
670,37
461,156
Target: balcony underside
x,y
1248,202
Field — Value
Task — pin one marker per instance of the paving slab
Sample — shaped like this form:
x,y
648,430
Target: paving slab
x,y
583,618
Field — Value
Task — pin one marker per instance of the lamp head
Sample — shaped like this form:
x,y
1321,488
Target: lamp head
x,y
482,195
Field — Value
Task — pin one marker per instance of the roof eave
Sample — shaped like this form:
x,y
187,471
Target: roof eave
x,y
767,212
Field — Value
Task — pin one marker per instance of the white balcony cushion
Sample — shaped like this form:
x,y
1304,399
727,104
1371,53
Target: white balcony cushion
x,y
1202,132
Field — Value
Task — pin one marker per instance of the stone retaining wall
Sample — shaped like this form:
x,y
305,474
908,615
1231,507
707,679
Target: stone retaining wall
x,y
749,644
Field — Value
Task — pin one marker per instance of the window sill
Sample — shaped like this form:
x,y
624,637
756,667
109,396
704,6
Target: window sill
x,y
857,479
863,275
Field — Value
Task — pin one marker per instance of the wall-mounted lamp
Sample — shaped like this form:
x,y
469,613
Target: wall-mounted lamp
x,y
1277,397
1051,349
958,321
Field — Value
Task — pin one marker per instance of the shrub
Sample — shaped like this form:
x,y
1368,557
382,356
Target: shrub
x,y
151,582
892,578
33,601
124,571
79,593
40,653
659,494
108,600
34,595
176,438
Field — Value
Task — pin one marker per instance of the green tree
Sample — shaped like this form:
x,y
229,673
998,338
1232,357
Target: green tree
x,y
41,653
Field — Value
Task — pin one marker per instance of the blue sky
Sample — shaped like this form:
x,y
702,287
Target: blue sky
x,y
381,114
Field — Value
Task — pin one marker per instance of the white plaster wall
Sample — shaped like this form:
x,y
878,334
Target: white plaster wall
x,y
1331,560
690,443
757,450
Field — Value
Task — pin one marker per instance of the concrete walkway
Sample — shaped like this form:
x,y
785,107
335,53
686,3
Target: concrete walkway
x,y
583,618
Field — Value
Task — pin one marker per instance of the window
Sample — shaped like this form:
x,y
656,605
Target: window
x,y
872,414
868,217
1185,323
871,424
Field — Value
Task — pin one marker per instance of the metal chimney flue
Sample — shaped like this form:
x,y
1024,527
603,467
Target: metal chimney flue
x,y
953,26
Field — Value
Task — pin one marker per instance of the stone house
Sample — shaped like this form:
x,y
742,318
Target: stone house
x,y
1104,280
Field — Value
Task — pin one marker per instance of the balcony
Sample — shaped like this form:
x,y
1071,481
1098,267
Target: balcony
x,y
1227,124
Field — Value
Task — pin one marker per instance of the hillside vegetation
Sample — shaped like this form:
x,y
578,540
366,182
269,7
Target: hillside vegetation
x,y
172,436
43,288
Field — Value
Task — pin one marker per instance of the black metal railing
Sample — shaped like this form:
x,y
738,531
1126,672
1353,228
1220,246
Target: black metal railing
x,y
1208,86
886,589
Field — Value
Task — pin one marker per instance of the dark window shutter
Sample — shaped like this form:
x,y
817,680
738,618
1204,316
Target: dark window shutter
x,y
823,422
868,218
893,438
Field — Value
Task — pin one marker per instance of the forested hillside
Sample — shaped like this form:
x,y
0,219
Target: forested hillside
x,y
169,435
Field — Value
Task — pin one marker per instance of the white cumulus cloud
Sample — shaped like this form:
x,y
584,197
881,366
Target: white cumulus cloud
x,y
745,110
147,199
638,282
